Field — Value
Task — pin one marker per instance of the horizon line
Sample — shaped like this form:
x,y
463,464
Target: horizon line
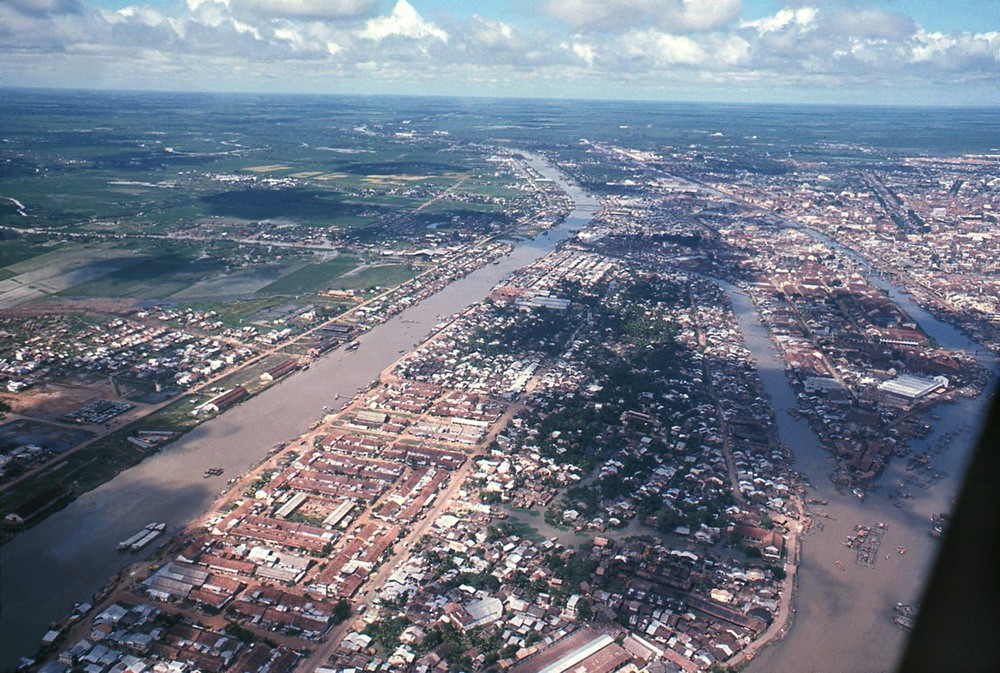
x,y
442,96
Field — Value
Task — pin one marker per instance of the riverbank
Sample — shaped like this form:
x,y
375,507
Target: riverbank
x,y
100,458
843,607
70,555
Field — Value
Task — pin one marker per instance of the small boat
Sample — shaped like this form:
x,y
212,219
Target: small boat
x,y
353,346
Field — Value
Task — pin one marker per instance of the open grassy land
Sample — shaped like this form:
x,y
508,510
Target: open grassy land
x,y
238,284
312,277
154,278
382,275
53,272
239,312
15,251
251,208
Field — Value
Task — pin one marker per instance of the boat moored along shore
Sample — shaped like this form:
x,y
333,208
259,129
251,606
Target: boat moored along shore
x,y
143,537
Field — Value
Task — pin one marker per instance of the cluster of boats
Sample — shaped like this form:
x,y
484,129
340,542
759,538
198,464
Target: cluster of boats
x,y
939,524
143,537
213,472
905,616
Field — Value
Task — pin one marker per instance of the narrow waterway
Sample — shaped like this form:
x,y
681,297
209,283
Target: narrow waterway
x,y
843,619
945,334
69,556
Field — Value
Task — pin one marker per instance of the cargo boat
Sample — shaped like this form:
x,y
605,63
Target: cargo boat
x,y
142,538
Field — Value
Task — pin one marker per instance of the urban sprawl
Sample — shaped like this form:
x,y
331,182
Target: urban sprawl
x,y
580,473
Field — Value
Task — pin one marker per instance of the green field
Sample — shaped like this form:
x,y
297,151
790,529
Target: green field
x,y
381,276
238,312
152,278
12,252
312,278
448,207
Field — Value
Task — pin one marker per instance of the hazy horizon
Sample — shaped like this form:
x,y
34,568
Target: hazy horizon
x,y
903,52
502,97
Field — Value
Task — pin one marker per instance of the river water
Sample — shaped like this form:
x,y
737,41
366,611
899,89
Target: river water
x,y
70,555
843,615
843,620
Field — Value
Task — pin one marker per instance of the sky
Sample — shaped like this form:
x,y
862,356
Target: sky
x,y
895,52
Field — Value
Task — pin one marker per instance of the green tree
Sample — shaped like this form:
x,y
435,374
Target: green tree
x,y
341,611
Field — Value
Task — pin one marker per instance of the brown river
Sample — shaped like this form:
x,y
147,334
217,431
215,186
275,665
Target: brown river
x,y
843,619
70,555
843,611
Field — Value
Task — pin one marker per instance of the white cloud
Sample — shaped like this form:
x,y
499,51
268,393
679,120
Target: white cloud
x,y
585,52
404,21
702,15
482,43
869,22
733,50
674,16
655,52
319,38
146,15
803,18
304,9
643,43
209,12
193,5
963,51
490,32
664,49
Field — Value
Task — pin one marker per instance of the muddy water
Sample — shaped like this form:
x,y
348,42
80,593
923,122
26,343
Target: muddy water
x,y
69,556
844,610
843,621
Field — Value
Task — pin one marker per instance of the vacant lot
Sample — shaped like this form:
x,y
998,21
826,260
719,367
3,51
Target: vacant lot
x,y
51,437
383,275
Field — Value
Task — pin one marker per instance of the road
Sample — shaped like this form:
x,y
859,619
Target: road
x,y
72,552
396,558
143,411
783,617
